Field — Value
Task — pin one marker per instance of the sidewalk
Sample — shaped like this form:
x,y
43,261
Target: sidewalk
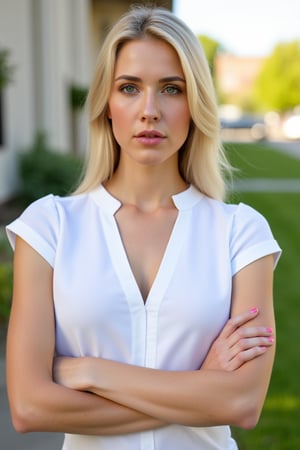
x,y
10,439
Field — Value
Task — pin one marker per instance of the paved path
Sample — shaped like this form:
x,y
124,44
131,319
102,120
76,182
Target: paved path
x,y
290,147
266,185
9,438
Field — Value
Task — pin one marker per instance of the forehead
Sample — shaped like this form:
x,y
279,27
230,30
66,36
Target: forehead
x,y
148,54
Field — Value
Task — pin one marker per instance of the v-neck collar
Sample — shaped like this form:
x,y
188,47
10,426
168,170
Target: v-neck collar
x,y
183,200
108,206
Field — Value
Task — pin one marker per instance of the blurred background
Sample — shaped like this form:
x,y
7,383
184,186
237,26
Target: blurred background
x,y
48,50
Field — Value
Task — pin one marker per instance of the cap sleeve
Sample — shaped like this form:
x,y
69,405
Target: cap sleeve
x,y
251,238
38,226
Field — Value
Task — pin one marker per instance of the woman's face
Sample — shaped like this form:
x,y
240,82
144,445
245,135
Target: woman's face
x,y
148,103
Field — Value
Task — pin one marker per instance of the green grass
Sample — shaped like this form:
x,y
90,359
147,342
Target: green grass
x,y
279,423
260,161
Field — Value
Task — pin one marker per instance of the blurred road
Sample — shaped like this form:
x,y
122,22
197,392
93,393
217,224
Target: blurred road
x,y
9,438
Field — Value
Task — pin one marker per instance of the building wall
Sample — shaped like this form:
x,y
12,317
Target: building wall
x,y
235,76
18,97
53,45
49,46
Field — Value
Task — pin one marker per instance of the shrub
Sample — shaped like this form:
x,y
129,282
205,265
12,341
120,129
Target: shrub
x,y
78,95
44,171
5,291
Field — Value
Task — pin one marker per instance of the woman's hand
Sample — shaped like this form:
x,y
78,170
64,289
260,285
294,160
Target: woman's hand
x,y
237,343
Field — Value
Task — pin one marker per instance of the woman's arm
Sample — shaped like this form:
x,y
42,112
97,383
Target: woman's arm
x,y
206,397
37,403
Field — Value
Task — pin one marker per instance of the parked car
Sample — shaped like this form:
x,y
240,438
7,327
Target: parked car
x,y
291,127
254,124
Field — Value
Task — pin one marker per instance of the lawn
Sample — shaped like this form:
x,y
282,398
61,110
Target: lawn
x,y
259,161
278,428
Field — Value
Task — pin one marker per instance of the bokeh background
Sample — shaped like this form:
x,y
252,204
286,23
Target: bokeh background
x,y
48,50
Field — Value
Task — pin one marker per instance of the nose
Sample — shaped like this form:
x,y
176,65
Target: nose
x,y
150,107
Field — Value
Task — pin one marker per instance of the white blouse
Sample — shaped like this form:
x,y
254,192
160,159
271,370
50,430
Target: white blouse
x,y
99,310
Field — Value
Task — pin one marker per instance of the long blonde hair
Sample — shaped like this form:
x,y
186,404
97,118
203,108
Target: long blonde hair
x,y
202,161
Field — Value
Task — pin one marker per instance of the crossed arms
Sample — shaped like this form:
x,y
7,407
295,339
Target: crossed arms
x,y
89,396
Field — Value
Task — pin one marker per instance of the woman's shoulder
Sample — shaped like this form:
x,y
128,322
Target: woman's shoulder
x,y
240,211
52,202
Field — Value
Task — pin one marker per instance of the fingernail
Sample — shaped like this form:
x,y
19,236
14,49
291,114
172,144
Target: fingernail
x,y
271,339
269,330
253,310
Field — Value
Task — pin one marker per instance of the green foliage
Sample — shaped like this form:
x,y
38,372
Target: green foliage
x,y
5,277
6,70
78,95
278,84
211,48
5,290
45,171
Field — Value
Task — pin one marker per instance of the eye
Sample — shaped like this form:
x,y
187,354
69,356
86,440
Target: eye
x,y
172,90
128,89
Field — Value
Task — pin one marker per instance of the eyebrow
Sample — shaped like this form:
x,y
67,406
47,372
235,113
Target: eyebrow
x,y
161,80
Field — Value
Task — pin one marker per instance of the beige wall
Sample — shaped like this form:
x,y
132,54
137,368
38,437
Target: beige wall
x,y
18,97
235,76
53,44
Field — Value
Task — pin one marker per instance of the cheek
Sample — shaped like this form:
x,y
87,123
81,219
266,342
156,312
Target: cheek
x,y
119,122
118,113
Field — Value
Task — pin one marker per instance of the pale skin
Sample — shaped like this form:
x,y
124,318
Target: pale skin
x,y
46,395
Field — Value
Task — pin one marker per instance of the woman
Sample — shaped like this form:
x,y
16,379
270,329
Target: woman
x,y
154,296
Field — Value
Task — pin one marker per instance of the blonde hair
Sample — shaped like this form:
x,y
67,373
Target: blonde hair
x,y
202,161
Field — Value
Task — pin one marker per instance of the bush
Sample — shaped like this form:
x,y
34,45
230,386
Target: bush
x,y
44,171
5,291
78,95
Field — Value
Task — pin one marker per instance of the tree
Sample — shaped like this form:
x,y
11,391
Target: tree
x,y
6,69
211,48
278,84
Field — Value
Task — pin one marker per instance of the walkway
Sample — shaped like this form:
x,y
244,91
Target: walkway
x,y
267,185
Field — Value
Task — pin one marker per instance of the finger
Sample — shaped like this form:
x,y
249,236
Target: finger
x,y
248,343
245,356
247,332
237,321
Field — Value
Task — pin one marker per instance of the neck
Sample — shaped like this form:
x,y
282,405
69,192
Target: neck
x,y
147,188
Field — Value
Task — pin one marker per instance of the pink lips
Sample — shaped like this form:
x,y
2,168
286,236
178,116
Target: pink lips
x,y
150,137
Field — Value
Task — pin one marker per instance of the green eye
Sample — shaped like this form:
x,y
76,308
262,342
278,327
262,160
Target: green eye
x,y
172,90
128,89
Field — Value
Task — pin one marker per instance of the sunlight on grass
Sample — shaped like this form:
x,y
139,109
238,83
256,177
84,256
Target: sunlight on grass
x,y
278,427
282,403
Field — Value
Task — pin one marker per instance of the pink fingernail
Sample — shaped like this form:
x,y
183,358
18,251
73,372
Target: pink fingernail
x,y
269,330
253,310
271,339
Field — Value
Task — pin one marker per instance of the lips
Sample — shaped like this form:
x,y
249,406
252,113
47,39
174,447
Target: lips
x,y
150,134
150,138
